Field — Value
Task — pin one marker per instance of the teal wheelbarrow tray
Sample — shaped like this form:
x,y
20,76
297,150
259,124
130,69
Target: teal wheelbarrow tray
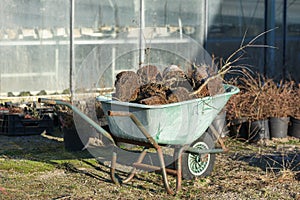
x,y
183,126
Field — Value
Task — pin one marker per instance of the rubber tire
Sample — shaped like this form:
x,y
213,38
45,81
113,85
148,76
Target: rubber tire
x,y
205,141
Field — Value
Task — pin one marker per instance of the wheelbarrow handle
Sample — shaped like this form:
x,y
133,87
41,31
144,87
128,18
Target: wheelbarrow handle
x,y
80,113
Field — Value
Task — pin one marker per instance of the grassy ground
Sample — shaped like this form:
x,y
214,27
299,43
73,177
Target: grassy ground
x,y
38,167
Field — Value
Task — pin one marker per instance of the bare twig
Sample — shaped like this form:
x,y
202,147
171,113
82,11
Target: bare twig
x,y
229,63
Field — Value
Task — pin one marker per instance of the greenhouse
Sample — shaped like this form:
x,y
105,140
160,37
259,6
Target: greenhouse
x,y
45,45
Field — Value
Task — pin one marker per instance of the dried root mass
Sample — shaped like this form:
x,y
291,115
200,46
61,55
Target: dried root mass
x,y
151,87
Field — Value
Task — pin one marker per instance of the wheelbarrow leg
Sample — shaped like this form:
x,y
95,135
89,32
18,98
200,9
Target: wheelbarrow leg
x,y
113,176
163,170
139,160
113,169
179,170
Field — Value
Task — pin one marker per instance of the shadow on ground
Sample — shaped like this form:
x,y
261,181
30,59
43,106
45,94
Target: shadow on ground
x,y
273,162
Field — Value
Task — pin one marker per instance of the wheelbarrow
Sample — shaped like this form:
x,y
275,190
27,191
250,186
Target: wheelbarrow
x,y
184,126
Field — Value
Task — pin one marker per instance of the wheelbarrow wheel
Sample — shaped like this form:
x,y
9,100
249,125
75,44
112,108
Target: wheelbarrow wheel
x,y
196,165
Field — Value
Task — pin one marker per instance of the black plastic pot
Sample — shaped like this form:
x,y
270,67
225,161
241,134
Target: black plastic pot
x,y
72,141
279,127
259,130
250,131
294,129
239,129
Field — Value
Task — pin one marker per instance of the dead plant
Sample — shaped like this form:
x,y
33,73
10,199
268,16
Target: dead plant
x,y
251,103
295,102
261,98
279,98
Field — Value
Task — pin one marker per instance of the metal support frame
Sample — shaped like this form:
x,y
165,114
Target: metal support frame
x,y
269,57
284,43
138,163
72,49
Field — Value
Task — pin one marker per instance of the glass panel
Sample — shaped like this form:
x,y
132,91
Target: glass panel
x,y
228,22
162,13
234,18
101,28
34,49
176,16
111,27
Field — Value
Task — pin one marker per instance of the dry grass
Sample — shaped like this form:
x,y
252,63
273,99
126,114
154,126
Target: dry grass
x,y
40,168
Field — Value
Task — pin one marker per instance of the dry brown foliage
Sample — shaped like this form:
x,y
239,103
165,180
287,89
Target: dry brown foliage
x,y
280,101
260,98
295,96
251,102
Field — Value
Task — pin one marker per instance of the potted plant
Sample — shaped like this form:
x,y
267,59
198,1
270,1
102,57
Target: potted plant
x,y
78,134
279,97
236,116
72,141
247,110
295,114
